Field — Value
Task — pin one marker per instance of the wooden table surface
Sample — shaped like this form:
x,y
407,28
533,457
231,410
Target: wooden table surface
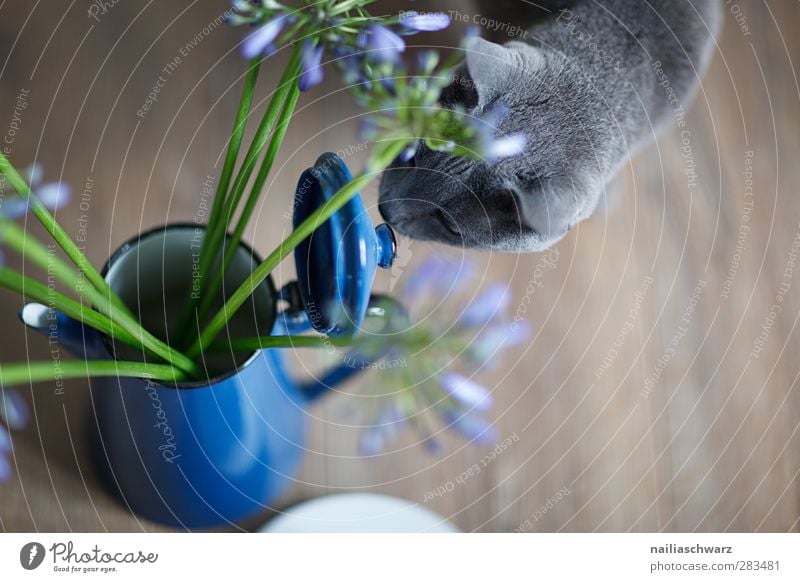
x,y
640,398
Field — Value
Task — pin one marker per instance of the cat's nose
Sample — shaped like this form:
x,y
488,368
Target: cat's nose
x,y
550,215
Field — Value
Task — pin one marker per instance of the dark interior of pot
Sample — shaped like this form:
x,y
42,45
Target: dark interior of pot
x,y
156,278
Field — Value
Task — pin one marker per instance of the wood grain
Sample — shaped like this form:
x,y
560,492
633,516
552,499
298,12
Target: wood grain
x,y
685,428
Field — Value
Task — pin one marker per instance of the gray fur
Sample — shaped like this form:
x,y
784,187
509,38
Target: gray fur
x,y
582,85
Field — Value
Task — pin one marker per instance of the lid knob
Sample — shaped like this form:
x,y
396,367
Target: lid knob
x,y
387,245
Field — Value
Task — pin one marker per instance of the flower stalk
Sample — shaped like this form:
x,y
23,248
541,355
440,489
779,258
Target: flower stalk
x,y
229,201
57,232
11,374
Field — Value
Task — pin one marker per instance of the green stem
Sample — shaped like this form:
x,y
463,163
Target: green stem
x,y
11,374
381,159
57,232
246,344
36,291
235,143
126,329
232,245
217,228
118,324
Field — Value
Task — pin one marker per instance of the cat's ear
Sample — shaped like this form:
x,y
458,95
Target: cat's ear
x,y
494,67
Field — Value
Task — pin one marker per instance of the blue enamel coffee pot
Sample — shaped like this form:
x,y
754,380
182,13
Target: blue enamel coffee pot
x,y
215,453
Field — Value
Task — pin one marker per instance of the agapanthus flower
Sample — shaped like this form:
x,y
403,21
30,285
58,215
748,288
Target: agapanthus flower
x,y
385,45
354,39
311,66
403,103
443,354
413,22
54,195
14,415
262,41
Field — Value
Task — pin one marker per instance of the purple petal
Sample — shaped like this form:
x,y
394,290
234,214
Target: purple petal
x,y
414,22
385,46
466,391
5,440
34,174
505,147
433,446
310,71
437,276
487,344
260,41
12,206
472,428
5,469
409,152
54,196
487,306
372,441
13,409
427,61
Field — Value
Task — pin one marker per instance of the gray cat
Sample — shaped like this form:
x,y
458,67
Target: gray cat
x,y
587,83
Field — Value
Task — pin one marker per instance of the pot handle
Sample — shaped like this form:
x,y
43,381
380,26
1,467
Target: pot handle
x,y
380,306
78,339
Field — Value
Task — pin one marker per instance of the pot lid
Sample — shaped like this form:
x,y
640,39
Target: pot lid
x,y
336,265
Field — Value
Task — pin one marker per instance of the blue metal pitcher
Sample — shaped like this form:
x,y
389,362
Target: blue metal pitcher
x,y
213,453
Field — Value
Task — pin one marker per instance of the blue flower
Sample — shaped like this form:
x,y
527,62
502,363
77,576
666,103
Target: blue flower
x,y
413,22
504,147
466,391
435,277
483,349
473,428
385,428
5,448
438,348
311,66
487,306
262,40
384,45
54,195
14,415
490,146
